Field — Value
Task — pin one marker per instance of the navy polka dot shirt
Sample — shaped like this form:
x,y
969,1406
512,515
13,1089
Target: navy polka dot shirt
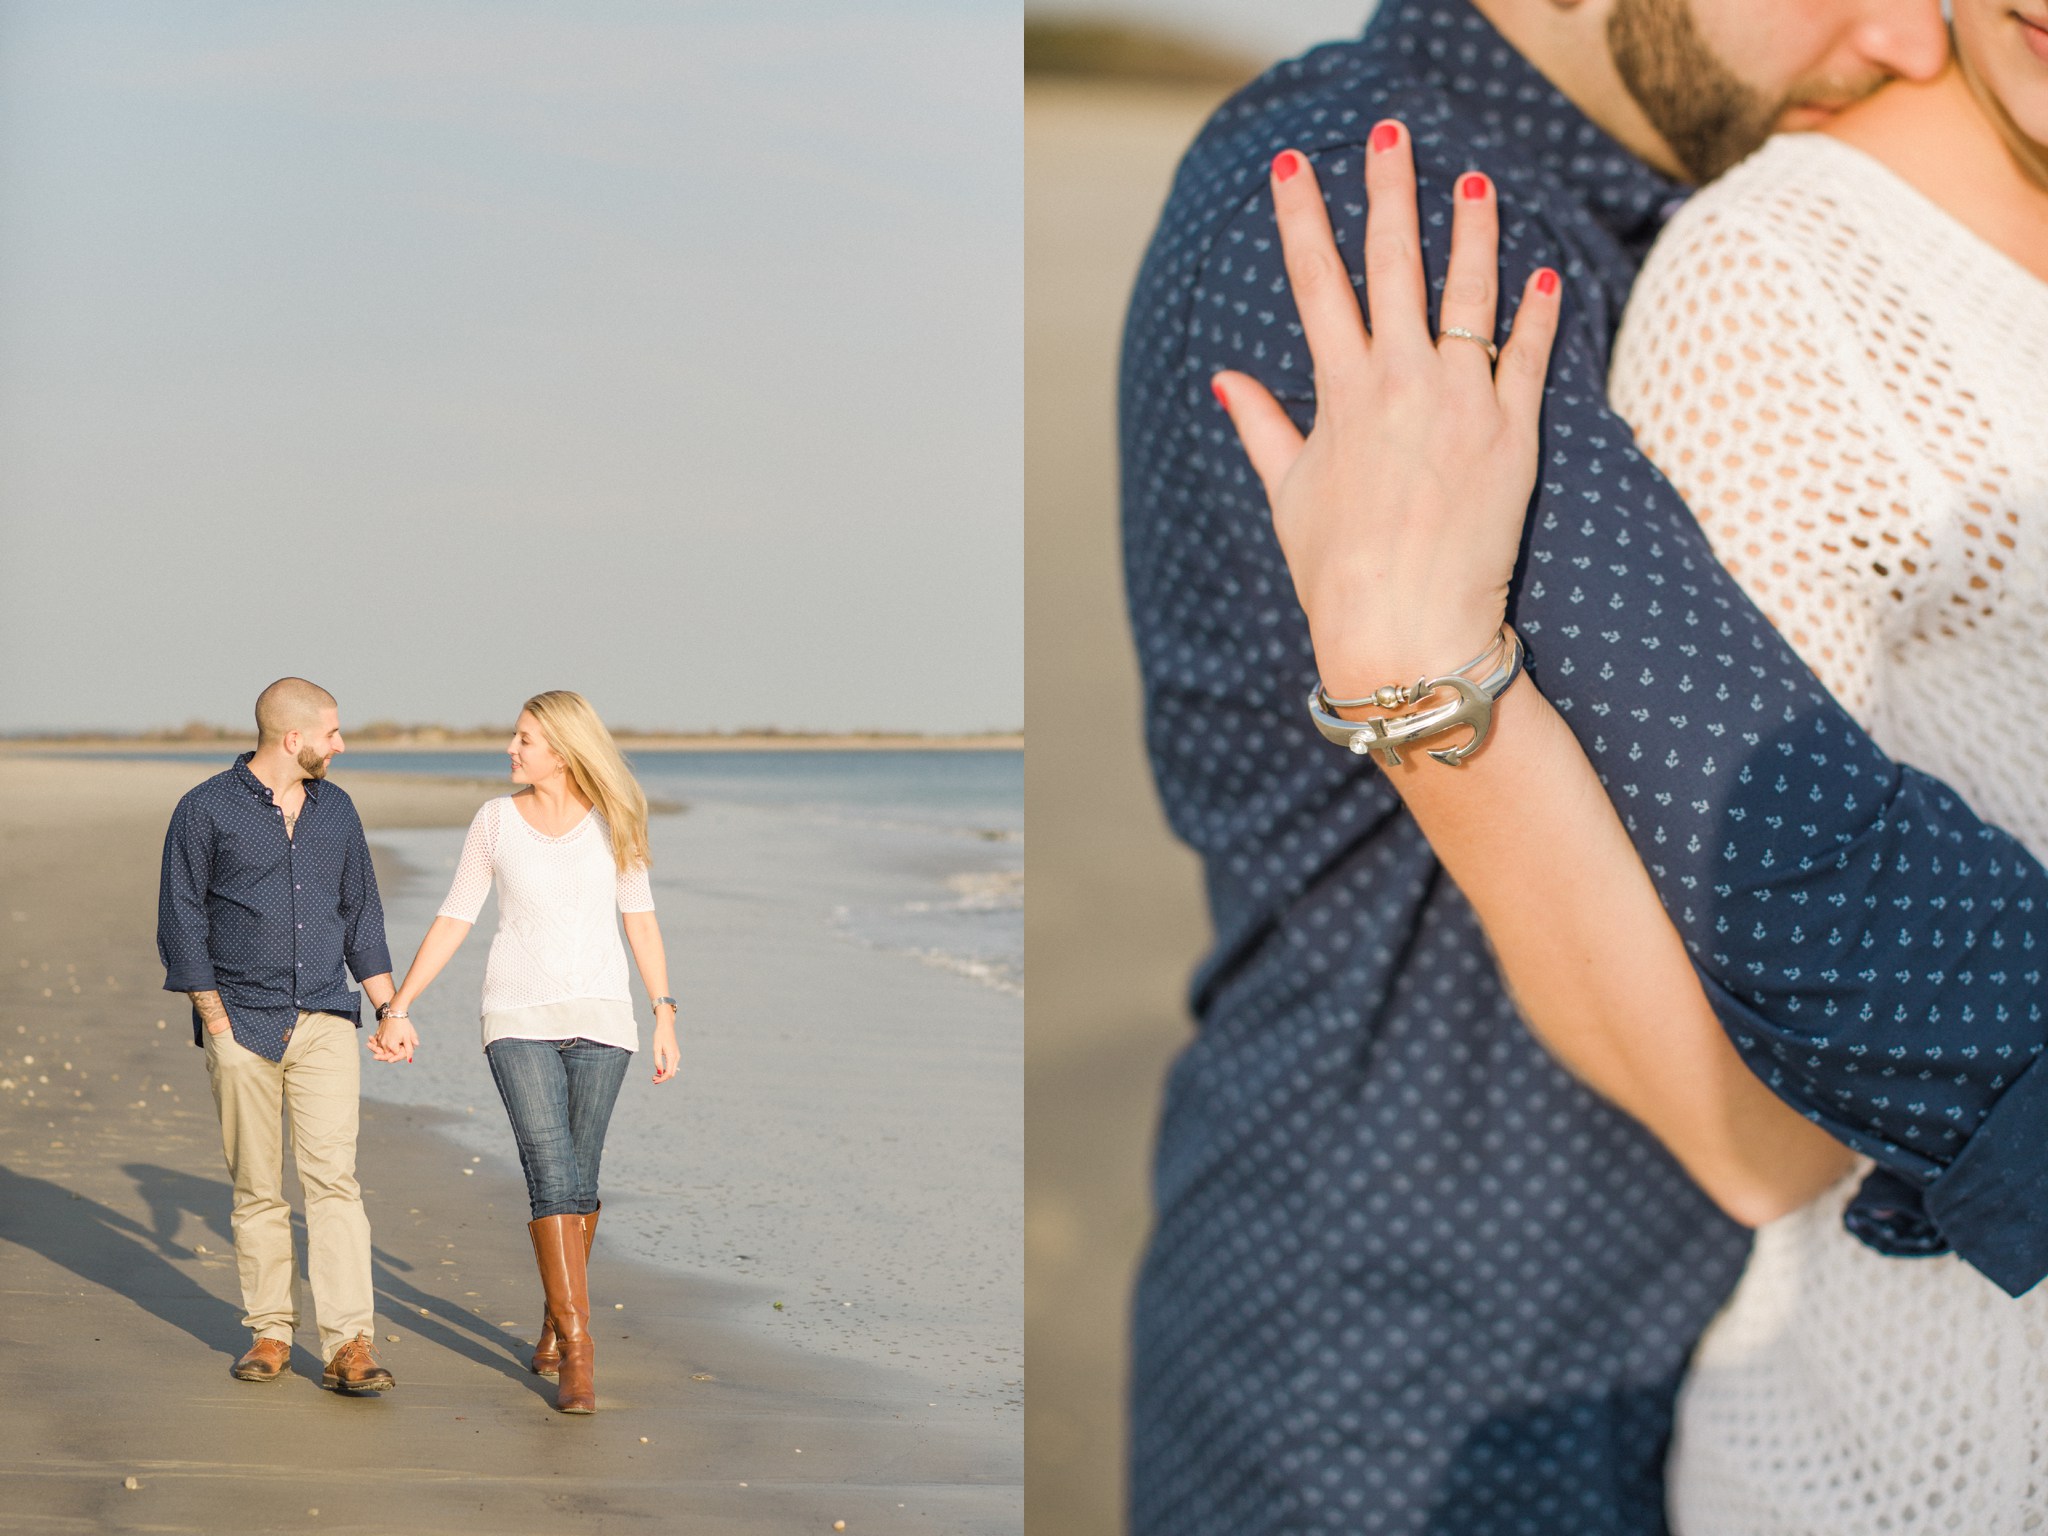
x,y
267,920
1407,1275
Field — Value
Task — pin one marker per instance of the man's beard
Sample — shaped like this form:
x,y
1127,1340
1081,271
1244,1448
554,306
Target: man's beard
x,y
1705,112
312,764
1708,116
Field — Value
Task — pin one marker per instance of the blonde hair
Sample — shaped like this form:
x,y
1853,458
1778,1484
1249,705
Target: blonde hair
x,y
2032,157
578,737
287,705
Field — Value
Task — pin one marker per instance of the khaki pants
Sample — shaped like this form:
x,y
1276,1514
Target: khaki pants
x,y
320,1080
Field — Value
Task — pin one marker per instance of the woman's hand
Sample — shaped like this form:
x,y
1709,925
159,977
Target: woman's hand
x,y
1401,513
395,1039
668,1056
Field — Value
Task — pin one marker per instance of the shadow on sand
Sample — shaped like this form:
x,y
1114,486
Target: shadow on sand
x,y
119,1254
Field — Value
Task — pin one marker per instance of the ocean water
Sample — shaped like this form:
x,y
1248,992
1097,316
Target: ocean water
x,y
956,817
845,931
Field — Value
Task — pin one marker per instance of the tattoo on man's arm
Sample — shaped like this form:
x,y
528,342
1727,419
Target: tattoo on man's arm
x,y
212,1010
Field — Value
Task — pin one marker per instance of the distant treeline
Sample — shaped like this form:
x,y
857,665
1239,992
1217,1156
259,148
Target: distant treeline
x,y
1127,50
203,732
207,731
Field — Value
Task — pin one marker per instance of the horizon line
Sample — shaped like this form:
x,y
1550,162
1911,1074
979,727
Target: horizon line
x,y
199,734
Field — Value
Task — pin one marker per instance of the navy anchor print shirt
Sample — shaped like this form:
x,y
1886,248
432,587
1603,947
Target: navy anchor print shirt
x,y
1406,1274
267,920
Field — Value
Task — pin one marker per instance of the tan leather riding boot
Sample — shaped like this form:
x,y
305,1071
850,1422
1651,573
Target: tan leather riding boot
x,y
547,1357
558,1250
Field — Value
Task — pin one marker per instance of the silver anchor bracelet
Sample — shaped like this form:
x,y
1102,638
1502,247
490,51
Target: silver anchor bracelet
x,y
1472,708
1393,695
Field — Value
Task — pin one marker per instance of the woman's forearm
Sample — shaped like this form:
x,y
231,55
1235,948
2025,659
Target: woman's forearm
x,y
643,934
444,937
1526,830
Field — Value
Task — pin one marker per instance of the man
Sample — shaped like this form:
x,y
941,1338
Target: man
x,y
1407,1276
267,893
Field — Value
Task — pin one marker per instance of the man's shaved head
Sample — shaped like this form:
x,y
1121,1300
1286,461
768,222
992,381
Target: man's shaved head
x,y
290,704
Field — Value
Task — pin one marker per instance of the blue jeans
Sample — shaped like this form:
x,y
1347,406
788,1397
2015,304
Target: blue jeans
x,y
559,1094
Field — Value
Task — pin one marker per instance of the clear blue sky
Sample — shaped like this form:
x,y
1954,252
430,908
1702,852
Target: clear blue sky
x,y
448,350
1273,29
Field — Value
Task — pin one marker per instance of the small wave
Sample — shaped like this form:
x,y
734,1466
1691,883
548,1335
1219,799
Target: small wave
x,y
832,816
1000,974
981,890
976,932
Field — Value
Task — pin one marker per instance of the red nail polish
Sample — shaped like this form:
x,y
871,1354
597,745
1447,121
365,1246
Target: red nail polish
x,y
1386,136
1217,390
1285,164
1472,188
1546,281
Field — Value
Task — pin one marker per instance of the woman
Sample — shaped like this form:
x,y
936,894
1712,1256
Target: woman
x,y
1836,355
1862,315
566,853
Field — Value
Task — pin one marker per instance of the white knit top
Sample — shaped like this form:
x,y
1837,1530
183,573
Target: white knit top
x,y
557,968
1847,387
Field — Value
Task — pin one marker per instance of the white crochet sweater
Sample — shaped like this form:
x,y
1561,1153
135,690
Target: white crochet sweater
x,y
1847,386
557,968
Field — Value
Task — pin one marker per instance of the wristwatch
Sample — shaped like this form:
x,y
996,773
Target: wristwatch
x,y
657,1002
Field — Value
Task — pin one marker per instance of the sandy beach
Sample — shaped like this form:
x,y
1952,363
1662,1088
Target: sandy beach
x,y
1115,921
720,1413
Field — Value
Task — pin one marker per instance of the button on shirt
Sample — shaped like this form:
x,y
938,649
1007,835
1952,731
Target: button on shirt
x,y
1406,1274
268,921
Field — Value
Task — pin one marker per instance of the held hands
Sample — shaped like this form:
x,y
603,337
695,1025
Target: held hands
x,y
1401,513
395,1040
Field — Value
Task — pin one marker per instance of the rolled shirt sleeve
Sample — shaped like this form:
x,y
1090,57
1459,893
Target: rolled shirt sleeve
x,y
362,911
1873,948
181,921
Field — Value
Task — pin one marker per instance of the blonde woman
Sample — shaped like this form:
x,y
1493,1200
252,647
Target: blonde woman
x,y
566,853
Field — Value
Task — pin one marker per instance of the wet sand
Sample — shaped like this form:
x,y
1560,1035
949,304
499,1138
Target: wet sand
x,y
1115,921
122,1311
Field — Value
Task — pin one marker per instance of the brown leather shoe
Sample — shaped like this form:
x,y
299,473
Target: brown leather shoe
x,y
547,1350
354,1368
265,1361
